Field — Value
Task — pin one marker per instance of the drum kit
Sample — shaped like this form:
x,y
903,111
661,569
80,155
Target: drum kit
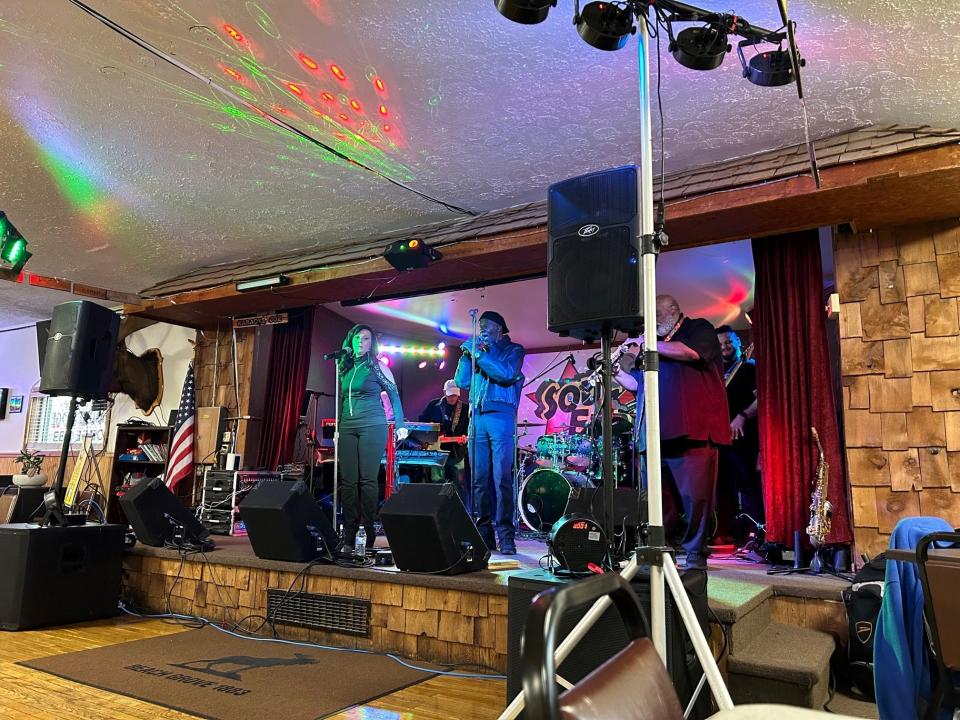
x,y
561,462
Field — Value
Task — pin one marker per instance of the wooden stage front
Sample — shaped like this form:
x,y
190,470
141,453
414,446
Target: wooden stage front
x,y
457,620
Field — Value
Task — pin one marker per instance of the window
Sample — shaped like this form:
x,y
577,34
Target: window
x,y
47,423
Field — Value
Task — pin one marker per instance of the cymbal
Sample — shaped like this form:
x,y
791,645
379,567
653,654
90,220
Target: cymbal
x,y
531,424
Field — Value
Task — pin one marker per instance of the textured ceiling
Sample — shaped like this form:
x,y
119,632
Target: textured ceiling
x,y
122,170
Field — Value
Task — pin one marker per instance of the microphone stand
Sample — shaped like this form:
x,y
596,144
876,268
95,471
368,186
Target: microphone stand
x,y
473,414
336,442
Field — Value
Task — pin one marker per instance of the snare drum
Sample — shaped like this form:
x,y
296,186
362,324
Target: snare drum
x,y
544,494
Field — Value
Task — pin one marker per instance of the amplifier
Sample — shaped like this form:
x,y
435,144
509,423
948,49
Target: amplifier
x,y
607,637
59,575
222,492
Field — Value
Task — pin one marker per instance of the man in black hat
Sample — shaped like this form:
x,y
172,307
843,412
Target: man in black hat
x,y
495,390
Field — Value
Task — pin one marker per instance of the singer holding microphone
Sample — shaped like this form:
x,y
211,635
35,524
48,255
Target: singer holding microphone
x,y
363,429
495,388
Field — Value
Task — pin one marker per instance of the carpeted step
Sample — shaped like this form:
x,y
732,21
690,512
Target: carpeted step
x,y
783,664
731,600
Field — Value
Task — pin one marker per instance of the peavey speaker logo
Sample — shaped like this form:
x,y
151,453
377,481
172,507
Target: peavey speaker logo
x,y
588,230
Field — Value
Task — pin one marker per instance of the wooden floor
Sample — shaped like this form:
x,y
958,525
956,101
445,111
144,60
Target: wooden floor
x,y
27,694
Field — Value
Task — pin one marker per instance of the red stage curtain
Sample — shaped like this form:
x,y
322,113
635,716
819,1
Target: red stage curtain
x,y
794,388
286,383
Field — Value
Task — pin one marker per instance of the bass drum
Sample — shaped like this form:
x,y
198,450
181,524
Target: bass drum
x,y
544,494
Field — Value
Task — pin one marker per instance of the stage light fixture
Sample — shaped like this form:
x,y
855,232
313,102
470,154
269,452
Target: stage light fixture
x,y
262,283
701,47
767,69
410,253
13,247
525,12
605,26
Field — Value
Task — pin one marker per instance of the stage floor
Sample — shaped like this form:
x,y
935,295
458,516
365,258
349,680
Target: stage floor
x,y
237,551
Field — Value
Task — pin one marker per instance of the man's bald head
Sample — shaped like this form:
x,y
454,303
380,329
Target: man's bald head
x,y
668,312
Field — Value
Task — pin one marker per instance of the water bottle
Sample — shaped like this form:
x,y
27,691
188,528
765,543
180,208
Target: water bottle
x,y
360,544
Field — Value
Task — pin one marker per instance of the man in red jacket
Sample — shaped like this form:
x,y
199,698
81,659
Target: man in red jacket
x,y
694,421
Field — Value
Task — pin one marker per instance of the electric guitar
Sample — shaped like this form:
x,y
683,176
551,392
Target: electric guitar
x,y
744,357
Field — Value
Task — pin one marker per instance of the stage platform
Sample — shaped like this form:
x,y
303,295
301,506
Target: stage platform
x,y
460,619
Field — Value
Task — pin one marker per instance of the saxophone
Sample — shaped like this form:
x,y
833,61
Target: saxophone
x,y
821,509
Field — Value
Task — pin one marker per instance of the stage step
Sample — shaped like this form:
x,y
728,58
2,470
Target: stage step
x,y
783,664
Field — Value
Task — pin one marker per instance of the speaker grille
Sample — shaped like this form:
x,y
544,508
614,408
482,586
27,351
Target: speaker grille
x,y
596,280
333,613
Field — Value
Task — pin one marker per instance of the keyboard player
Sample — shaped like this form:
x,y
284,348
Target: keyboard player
x,y
454,418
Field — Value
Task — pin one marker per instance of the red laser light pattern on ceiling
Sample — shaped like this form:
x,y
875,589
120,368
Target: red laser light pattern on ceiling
x,y
308,61
233,33
338,73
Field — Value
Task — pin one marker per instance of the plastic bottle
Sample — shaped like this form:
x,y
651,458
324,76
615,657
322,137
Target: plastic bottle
x,y
360,544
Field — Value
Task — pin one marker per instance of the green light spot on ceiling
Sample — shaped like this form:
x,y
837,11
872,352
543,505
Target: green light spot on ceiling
x,y
253,67
79,190
262,19
243,92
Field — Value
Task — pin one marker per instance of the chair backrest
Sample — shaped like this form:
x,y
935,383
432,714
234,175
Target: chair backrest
x,y
940,578
632,685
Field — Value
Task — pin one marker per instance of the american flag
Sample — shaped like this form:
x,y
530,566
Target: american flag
x,y
180,464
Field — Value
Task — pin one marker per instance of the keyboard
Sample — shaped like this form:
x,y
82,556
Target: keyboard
x,y
435,458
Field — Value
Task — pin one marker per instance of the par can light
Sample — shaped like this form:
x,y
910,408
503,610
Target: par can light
x,y
700,48
768,69
605,26
525,12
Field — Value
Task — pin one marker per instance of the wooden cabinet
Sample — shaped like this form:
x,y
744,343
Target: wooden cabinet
x,y
139,451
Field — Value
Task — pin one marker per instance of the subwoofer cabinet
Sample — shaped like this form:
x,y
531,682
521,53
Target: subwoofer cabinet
x,y
58,575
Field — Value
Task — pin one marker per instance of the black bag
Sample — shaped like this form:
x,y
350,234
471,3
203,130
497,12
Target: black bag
x,y
862,601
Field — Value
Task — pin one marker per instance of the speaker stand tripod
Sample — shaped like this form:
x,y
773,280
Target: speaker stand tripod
x,y
53,500
656,553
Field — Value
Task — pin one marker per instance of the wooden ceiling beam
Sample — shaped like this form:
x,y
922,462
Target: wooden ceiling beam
x,y
891,190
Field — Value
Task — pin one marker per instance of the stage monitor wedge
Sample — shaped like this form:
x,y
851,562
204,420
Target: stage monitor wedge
x,y
284,523
154,514
593,254
78,358
429,531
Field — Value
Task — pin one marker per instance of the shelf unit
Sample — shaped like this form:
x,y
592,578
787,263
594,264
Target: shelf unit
x,y
130,437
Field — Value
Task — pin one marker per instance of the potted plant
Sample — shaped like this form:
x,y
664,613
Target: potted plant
x,y
31,476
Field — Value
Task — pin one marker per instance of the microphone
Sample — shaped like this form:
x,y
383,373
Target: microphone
x,y
474,311
337,355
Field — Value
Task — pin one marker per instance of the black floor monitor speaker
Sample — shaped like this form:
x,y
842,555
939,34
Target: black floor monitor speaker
x,y
608,636
593,254
78,359
154,514
59,575
284,523
429,530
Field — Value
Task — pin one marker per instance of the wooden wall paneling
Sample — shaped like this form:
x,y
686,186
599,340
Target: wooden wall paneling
x,y
891,282
905,470
940,316
921,279
896,358
860,358
893,431
915,243
925,428
868,466
938,353
915,314
951,421
945,390
946,237
941,503
902,284
934,468
883,321
863,429
948,268
890,395
859,388
865,506
893,506
850,325
920,388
